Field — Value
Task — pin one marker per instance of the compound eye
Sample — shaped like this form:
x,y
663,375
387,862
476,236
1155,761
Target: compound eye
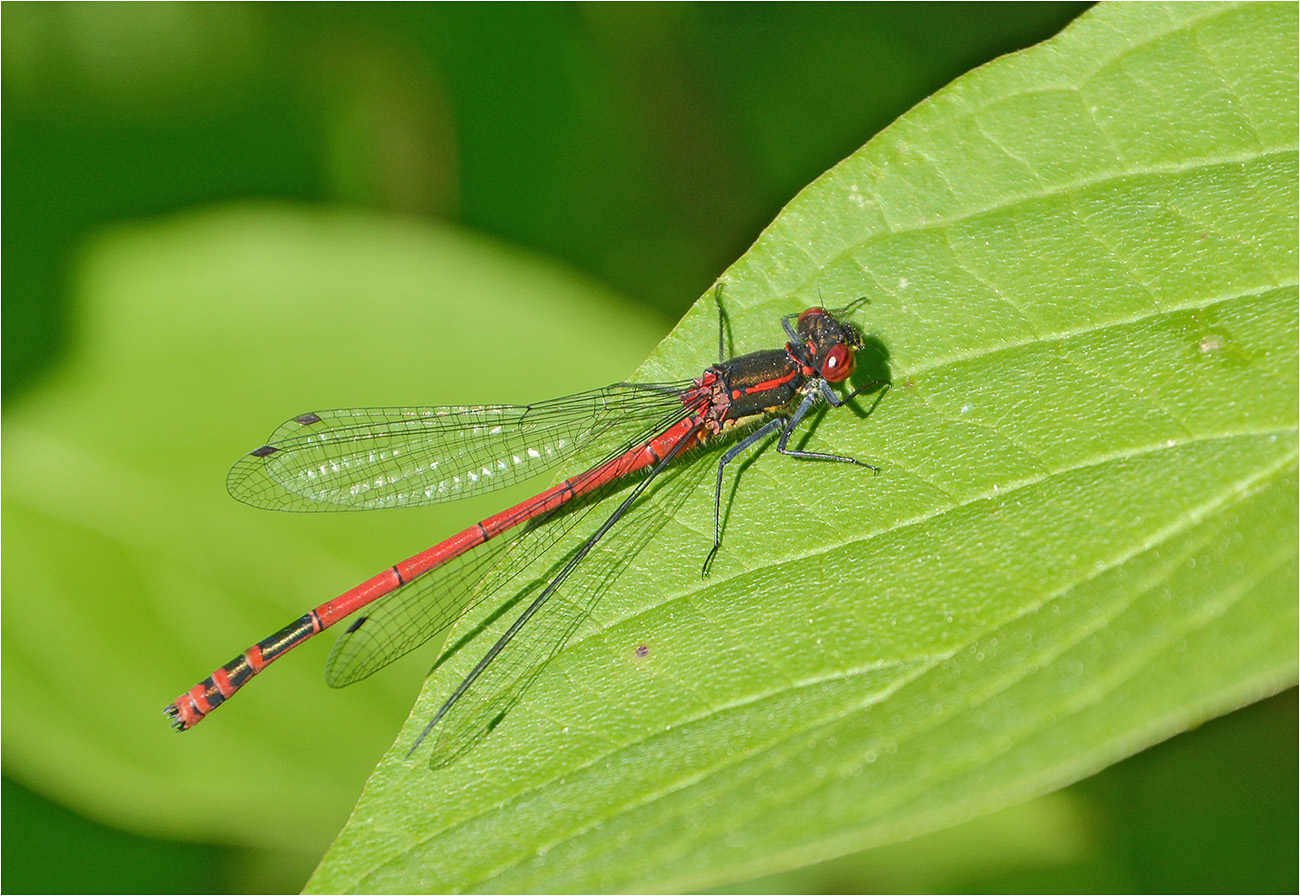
x,y
811,321
838,365
811,312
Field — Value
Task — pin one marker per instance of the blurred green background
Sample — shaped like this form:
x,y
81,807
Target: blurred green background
x,y
643,146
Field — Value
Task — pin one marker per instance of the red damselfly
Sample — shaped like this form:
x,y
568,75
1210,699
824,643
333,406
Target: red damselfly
x,y
362,459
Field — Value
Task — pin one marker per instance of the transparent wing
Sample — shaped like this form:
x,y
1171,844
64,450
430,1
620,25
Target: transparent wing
x,y
430,603
483,706
368,458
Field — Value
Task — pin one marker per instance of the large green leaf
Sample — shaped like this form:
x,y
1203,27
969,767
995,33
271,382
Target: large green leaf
x,y
1082,264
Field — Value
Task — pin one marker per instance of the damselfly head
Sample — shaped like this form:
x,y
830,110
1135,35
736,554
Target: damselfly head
x,y
829,342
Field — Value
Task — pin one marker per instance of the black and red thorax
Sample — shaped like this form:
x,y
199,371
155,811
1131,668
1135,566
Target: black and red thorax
x,y
764,382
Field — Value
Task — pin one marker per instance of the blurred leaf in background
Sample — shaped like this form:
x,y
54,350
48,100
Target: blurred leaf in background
x,y
646,145
220,215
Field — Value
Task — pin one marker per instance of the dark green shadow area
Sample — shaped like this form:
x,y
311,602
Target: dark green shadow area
x,y
77,855
1171,827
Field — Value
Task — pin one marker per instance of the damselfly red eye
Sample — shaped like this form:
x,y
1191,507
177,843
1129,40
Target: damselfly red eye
x,y
811,312
838,365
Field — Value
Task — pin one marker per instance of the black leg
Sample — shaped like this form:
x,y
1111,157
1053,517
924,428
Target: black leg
x,y
804,406
762,432
841,313
836,402
787,427
722,324
789,327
